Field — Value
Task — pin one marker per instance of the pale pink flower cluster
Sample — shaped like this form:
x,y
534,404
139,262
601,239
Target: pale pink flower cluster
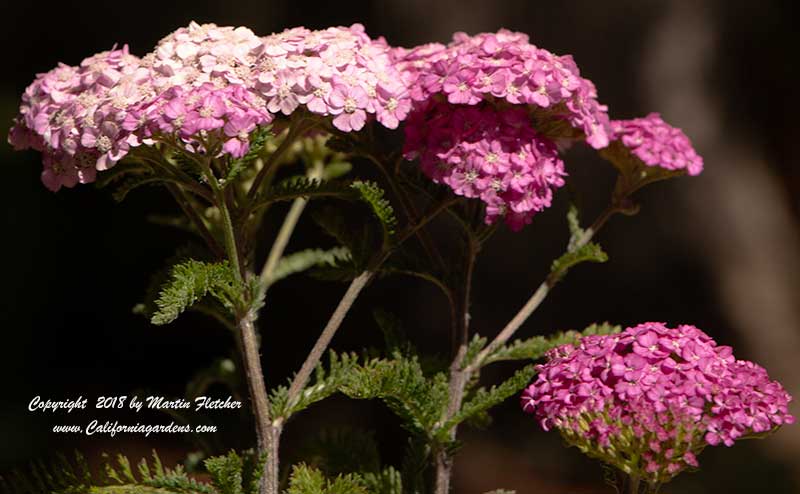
x,y
649,399
505,66
208,87
657,143
194,114
487,153
337,72
75,116
334,72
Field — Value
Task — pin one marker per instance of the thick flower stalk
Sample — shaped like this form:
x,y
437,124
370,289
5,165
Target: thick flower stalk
x,y
648,400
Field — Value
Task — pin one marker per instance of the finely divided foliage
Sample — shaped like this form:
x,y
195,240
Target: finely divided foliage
x,y
217,115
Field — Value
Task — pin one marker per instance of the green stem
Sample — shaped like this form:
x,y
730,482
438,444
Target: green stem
x,y
287,228
301,378
245,323
538,296
459,377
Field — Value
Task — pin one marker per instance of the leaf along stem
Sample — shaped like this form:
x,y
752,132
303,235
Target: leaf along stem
x,y
538,296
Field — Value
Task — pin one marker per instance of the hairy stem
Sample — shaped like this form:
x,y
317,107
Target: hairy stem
x,y
301,379
458,375
538,296
245,323
255,377
287,228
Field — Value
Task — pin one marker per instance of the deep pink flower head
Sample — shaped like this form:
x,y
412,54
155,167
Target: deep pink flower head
x,y
505,66
649,399
486,153
658,144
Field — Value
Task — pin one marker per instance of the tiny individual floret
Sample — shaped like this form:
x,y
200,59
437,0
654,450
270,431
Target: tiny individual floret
x,y
648,400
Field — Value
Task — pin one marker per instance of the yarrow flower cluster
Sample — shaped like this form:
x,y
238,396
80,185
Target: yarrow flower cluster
x,y
74,115
484,112
504,66
649,399
491,154
203,84
657,143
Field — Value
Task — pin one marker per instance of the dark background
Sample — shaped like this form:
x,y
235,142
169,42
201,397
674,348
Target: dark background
x,y
719,251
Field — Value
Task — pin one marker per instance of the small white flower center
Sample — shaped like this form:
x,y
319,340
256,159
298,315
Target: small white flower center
x,y
104,144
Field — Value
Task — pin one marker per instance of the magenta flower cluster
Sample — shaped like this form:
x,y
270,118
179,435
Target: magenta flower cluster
x,y
657,143
504,66
649,399
495,95
206,88
492,154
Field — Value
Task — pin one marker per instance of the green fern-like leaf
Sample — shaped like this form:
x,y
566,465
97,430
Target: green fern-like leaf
x,y
153,478
258,139
307,480
416,461
309,258
401,383
372,194
387,481
535,347
191,281
74,477
226,473
325,382
484,399
147,307
302,186
590,252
